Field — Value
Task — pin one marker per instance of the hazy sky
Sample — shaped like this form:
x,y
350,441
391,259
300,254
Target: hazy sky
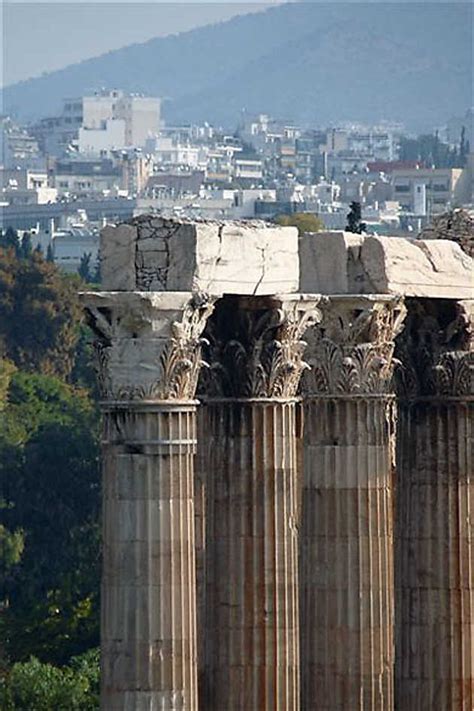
x,y
40,37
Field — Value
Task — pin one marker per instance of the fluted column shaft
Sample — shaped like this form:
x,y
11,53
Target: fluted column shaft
x,y
435,512
148,602
149,356
346,547
250,462
347,600
252,588
435,561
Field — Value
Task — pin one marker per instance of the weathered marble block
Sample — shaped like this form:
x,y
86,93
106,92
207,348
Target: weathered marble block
x,y
151,253
345,263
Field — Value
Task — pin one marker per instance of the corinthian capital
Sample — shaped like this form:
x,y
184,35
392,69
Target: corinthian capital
x,y
436,352
255,346
148,345
351,351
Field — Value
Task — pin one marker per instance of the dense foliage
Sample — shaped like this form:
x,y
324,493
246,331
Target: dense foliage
x,y
49,491
304,221
354,219
39,313
38,686
429,150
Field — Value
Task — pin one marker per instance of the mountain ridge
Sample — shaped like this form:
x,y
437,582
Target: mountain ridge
x,y
322,63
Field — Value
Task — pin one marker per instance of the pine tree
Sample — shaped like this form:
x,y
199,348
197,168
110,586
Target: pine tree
x,y
463,148
97,275
26,246
354,219
84,270
9,240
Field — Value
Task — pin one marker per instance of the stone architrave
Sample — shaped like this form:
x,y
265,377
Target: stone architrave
x,y
153,253
251,598
435,503
346,540
149,357
345,263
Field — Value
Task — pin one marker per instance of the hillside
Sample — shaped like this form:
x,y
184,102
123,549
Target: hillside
x,y
304,61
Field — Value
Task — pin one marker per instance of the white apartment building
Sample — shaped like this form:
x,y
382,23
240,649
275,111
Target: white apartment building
x,y
110,136
360,145
423,191
109,120
248,169
169,152
23,186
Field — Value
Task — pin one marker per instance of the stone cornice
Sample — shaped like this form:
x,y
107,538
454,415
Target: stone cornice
x,y
256,346
351,352
148,345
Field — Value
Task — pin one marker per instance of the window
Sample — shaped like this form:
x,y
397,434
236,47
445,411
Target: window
x,y
402,188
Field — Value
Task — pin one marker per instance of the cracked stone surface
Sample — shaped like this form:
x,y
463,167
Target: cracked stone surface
x,y
151,253
345,263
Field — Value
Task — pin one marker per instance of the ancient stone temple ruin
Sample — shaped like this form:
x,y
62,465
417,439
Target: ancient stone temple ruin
x,y
288,503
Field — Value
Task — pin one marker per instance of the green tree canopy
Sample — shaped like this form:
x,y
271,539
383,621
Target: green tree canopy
x,y
9,240
429,150
84,270
35,686
26,247
304,221
49,478
39,314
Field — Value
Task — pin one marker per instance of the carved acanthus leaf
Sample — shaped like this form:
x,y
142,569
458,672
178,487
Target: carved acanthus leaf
x,y
181,360
143,354
261,354
351,353
454,373
436,351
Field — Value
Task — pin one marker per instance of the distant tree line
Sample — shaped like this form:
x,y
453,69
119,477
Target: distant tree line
x,y
23,249
430,150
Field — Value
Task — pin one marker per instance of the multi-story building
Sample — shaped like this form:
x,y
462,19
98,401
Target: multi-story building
x,y
350,150
100,122
17,146
171,152
174,182
100,141
87,176
248,170
378,143
424,191
23,186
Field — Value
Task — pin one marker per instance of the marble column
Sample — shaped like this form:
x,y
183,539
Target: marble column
x,y
435,509
149,359
251,605
346,546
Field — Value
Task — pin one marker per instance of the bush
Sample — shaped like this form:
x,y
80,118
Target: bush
x,y
34,686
